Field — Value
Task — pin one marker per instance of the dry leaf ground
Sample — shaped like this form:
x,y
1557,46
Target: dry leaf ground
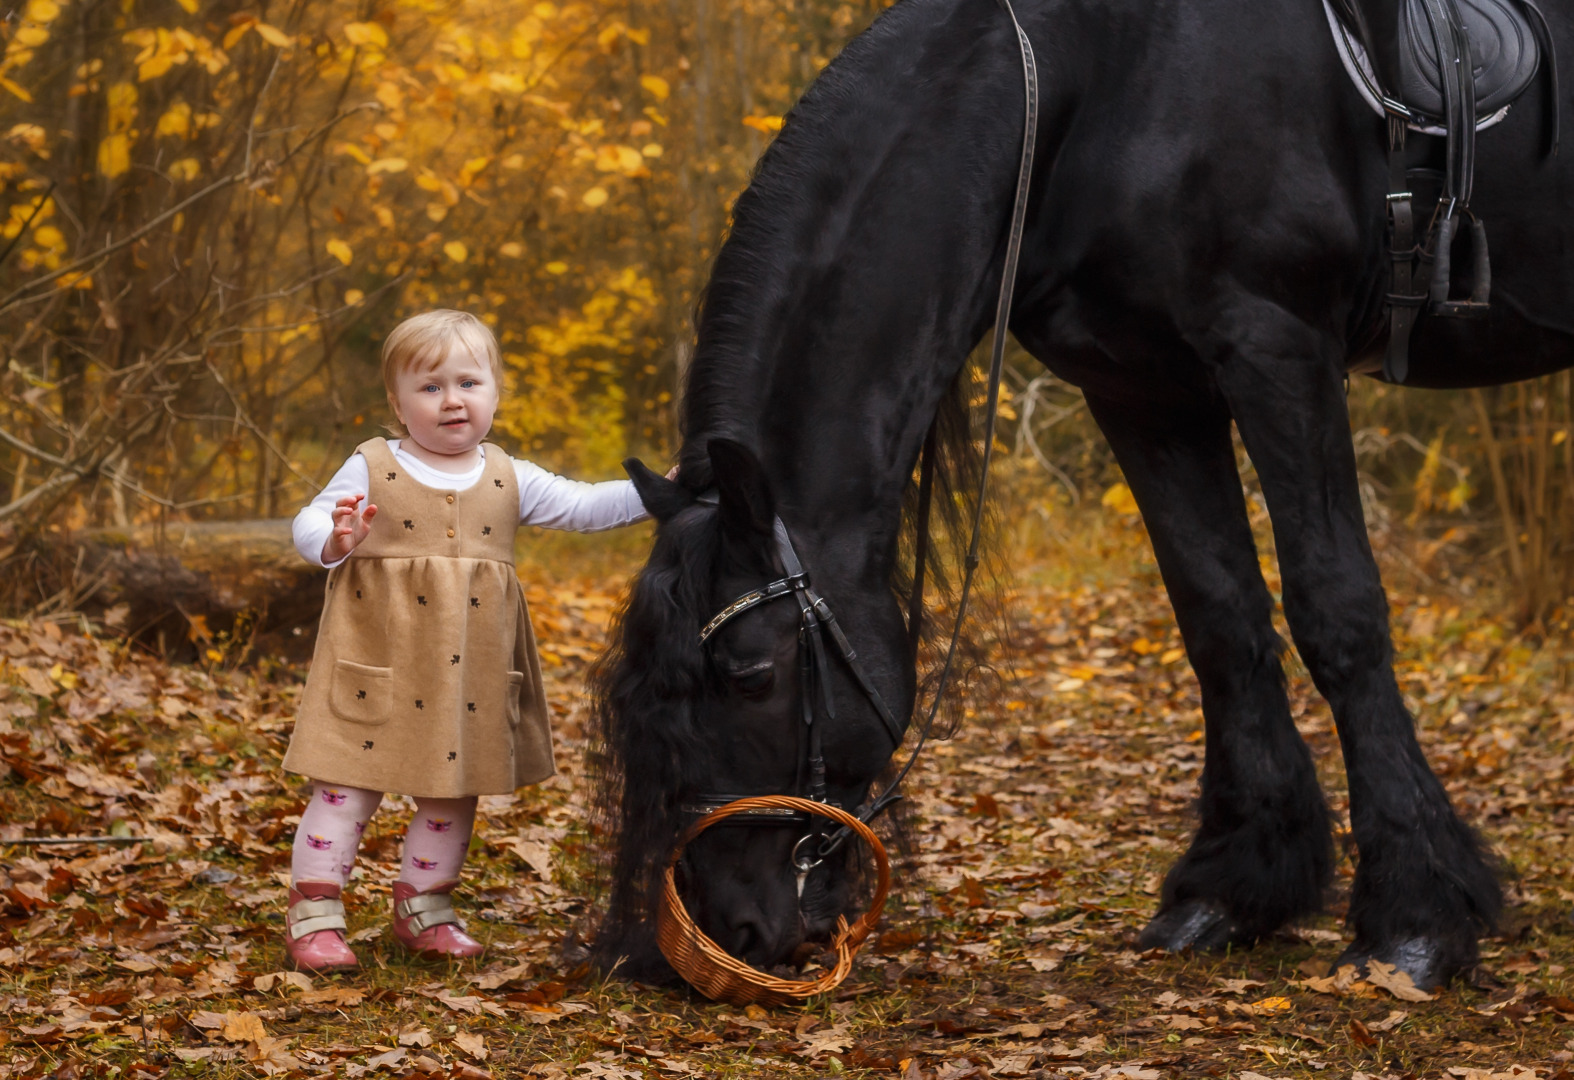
x,y
1039,835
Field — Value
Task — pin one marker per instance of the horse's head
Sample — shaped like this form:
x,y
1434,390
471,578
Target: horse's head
x,y
686,724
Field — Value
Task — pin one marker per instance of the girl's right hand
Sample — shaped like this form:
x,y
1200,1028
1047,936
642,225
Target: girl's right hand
x,y
351,524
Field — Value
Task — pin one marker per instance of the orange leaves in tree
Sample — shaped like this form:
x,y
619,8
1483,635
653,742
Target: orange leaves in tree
x,y
114,155
1119,499
271,34
622,159
164,48
120,113
366,33
765,125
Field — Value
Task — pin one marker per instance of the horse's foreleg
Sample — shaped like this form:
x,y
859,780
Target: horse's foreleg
x,y
1423,891
1262,854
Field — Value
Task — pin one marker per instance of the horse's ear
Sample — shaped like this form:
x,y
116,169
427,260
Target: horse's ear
x,y
745,499
662,497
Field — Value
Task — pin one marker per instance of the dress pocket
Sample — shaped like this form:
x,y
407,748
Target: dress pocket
x,y
516,683
360,693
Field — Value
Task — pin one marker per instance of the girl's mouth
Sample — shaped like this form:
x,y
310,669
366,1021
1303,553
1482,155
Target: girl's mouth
x,y
453,423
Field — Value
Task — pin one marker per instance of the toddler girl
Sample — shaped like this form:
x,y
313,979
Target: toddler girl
x,y
425,680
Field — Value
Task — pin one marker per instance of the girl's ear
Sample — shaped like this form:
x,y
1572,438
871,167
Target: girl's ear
x,y
664,498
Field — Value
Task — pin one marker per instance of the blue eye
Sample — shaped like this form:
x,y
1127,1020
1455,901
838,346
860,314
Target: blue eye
x,y
468,384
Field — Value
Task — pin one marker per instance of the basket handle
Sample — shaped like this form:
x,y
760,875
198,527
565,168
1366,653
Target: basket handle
x,y
718,974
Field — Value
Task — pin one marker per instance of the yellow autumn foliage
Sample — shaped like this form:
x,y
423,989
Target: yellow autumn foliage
x,y
299,182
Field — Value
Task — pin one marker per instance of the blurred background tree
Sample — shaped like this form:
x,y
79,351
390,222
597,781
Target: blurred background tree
x,y
212,211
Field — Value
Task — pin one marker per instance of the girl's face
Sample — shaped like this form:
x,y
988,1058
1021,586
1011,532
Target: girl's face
x,y
447,409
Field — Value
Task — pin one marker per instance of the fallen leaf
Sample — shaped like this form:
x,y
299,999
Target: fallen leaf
x,y
242,1027
1396,982
1084,1047
1237,986
831,1040
387,1060
602,1071
472,1044
491,980
1045,961
343,996
298,979
533,853
1391,1021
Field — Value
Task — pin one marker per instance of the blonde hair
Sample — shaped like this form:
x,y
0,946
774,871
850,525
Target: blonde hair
x,y
422,341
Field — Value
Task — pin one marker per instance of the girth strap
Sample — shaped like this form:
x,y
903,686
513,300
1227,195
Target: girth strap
x,y
1404,302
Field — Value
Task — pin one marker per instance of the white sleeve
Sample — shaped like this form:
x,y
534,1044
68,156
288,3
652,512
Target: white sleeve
x,y
556,502
314,523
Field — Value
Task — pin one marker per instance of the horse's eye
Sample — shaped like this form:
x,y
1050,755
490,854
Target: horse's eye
x,y
754,681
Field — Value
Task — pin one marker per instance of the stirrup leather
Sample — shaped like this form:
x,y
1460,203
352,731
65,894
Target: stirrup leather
x,y
426,910
309,916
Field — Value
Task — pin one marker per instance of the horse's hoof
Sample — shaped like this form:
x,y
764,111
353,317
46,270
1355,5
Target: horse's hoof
x,y
1195,924
1428,961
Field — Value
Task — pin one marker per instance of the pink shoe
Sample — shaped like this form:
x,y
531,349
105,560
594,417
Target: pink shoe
x,y
426,924
314,929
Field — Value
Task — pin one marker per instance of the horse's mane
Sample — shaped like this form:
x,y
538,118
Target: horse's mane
x,y
643,739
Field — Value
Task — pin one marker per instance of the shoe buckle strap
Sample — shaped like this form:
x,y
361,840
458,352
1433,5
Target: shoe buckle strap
x,y
426,910
309,916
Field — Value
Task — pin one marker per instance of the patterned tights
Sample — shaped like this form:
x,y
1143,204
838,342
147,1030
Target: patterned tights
x,y
334,819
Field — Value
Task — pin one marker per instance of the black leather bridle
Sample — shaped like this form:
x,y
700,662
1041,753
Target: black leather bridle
x,y
816,619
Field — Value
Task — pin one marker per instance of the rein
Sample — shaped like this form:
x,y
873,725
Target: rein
x,y
817,620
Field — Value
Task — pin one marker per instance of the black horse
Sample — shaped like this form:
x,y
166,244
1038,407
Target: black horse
x,y
1205,245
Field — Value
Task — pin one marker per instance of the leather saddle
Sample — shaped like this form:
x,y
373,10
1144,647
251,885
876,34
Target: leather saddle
x,y
1461,64
1505,55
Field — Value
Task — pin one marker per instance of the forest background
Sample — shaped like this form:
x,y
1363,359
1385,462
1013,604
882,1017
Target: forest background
x,y
211,213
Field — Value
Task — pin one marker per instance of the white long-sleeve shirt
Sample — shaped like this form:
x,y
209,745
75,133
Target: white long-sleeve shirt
x,y
545,499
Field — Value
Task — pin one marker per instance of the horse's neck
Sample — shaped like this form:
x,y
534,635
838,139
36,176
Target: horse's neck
x,y
857,275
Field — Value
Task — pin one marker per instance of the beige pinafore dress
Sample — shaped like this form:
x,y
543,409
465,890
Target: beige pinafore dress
x,y
425,679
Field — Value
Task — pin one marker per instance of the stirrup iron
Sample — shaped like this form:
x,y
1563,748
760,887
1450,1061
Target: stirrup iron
x,y
1477,305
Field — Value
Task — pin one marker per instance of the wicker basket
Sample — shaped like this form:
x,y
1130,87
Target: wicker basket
x,y
723,977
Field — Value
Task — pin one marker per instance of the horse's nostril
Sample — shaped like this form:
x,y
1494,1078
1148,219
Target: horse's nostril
x,y
754,939
748,942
